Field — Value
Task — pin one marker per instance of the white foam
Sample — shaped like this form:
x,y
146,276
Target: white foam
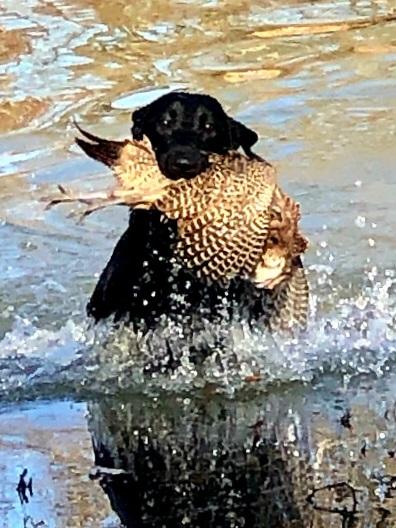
x,y
350,333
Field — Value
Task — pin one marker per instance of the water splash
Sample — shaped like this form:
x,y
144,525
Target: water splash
x,y
352,332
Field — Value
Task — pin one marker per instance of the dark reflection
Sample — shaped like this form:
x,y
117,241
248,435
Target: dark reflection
x,y
201,463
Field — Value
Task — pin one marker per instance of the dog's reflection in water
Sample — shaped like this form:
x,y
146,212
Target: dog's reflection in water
x,y
201,464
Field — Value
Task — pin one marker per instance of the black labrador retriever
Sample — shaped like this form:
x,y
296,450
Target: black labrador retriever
x,y
139,283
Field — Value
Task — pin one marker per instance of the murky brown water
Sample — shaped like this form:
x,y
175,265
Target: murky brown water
x,y
318,83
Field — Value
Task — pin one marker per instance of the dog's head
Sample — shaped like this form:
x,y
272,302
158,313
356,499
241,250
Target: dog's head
x,y
184,128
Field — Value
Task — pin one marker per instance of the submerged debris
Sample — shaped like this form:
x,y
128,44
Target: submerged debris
x,y
24,486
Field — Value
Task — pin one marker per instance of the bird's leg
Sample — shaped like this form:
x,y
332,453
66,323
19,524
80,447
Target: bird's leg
x,y
115,197
67,196
99,200
94,206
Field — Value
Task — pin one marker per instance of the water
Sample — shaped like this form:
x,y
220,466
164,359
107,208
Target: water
x,y
324,106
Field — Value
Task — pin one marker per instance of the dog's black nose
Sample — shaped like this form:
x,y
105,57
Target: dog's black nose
x,y
185,162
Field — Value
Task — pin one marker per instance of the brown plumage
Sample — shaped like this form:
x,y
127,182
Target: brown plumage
x,y
233,219
133,162
223,215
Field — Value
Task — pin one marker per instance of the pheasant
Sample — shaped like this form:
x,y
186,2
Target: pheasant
x,y
233,220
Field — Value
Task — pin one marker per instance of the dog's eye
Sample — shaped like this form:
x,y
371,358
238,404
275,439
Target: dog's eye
x,y
209,127
165,122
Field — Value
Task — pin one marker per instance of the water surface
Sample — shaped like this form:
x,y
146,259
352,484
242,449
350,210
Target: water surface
x,y
323,101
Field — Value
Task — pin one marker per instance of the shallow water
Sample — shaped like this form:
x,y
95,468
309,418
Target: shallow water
x,y
324,106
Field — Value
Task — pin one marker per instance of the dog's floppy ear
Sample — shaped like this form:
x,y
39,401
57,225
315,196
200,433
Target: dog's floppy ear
x,y
242,136
139,120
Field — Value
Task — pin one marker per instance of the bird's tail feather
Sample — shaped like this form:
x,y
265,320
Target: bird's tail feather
x,y
291,301
103,150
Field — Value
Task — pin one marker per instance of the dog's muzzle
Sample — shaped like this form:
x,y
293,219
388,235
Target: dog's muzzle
x,y
184,162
